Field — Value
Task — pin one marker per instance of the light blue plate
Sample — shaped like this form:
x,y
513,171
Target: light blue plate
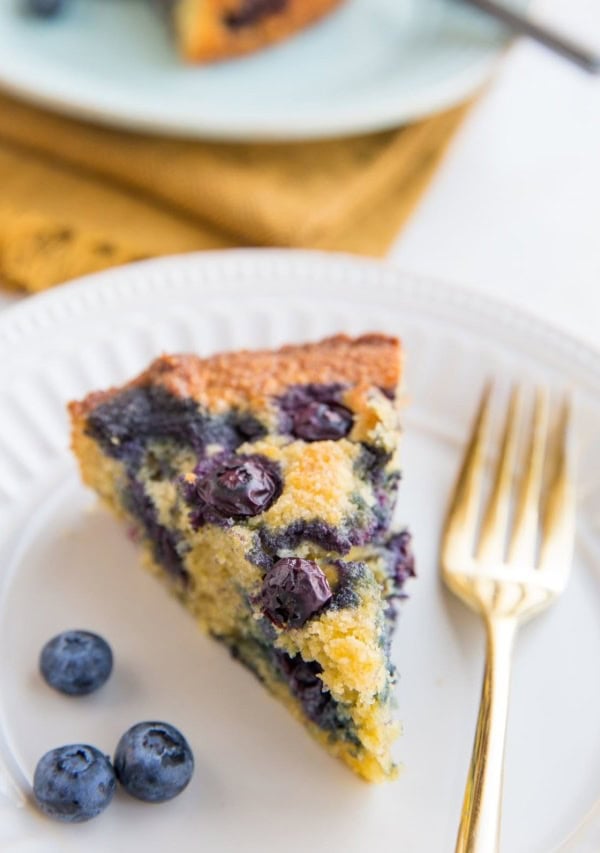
x,y
371,65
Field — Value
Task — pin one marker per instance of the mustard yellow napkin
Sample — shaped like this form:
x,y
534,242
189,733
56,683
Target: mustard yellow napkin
x,y
75,197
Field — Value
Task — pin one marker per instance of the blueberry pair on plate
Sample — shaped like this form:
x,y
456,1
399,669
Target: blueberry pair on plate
x,y
153,762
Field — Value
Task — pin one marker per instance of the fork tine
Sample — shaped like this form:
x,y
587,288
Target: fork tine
x,y
558,524
495,523
464,506
524,537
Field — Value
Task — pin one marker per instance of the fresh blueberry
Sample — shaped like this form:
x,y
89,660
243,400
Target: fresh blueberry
x,y
321,421
153,762
44,8
315,413
74,783
235,487
76,662
294,590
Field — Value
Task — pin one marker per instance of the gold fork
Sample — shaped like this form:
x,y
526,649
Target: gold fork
x,y
506,582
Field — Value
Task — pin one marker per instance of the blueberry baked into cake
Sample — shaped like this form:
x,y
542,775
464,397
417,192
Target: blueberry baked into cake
x,y
261,486
207,30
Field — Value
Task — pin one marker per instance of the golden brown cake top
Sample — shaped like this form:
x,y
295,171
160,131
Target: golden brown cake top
x,y
248,378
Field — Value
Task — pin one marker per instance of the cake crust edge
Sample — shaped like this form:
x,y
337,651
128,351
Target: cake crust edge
x,y
249,378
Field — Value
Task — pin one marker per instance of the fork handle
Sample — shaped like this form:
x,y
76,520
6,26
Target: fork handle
x,y
519,22
479,830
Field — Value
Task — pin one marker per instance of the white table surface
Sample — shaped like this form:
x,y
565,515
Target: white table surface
x,y
514,211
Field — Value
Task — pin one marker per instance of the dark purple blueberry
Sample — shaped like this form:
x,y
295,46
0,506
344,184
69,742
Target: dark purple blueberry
x,y
315,413
294,590
252,12
247,427
73,783
124,424
389,626
164,542
403,561
153,762
317,702
44,8
330,538
297,396
76,662
371,462
321,422
236,487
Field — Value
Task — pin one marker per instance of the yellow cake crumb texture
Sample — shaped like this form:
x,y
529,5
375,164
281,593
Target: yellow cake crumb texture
x,y
376,418
318,481
346,644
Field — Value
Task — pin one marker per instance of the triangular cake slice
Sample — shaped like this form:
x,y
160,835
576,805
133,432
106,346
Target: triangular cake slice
x,y
207,30
261,487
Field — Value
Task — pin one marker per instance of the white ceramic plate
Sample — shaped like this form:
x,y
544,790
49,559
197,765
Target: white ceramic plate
x,y
372,64
261,783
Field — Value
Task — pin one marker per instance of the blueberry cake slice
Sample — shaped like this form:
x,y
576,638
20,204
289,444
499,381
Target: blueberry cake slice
x,y
208,30
261,487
